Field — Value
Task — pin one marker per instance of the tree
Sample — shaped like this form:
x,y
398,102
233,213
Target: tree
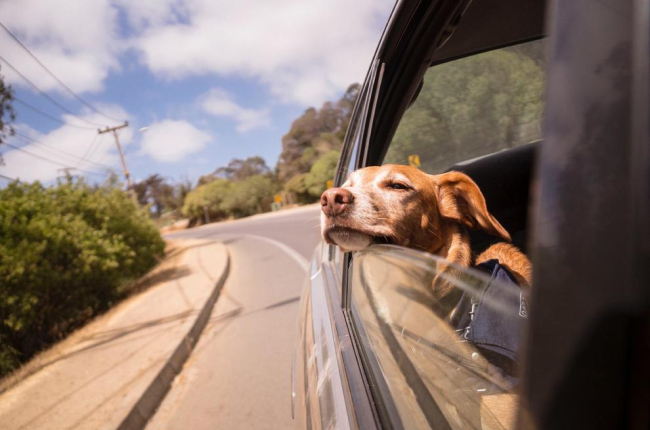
x,y
297,186
471,107
177,198
154,191
239,169
249,196
162,196
7,113
210,196
315,133
321,172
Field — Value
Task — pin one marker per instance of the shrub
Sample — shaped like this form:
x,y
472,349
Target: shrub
x,y
66,253
248,196
296,185
210,195
322,171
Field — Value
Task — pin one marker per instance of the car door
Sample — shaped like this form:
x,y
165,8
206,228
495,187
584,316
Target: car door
x,y
589,310
480,114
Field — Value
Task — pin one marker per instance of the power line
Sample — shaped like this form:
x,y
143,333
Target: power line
x,y
8,178
75,95
37,110
75,158
86,155
44,94
50,161
98,143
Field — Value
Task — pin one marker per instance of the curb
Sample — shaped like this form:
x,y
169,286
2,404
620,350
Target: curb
x,y
155,393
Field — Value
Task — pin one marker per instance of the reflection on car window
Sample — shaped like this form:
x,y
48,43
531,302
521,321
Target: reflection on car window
x,y
473,106
440,367
352,144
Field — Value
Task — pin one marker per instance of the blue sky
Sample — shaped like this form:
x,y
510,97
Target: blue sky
x,y
211,80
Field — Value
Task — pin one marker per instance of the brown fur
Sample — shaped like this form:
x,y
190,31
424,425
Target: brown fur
x,y
432,214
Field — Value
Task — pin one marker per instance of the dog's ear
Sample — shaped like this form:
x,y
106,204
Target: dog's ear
x,y
460,200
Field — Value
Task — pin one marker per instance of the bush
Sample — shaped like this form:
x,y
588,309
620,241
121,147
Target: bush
x,y
210,195
296,185
248,196
66,254
322,171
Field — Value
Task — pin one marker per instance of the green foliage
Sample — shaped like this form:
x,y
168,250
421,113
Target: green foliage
x,y
308,187
297,186
7,114
239,169
209,195
248,196
66,253
472,107
321,172
161,196
225,198
314,134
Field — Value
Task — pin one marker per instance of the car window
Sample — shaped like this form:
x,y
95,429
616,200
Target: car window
x,y
354,135
433,366
349,160
471,107
348,164
452,360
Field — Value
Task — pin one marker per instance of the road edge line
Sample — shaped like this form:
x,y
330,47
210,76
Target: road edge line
x,y
147,405
302,261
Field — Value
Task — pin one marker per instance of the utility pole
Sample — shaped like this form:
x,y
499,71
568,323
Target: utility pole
x,y
127,175
206,214
66,172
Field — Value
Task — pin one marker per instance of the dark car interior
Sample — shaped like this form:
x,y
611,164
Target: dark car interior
x,y
504,179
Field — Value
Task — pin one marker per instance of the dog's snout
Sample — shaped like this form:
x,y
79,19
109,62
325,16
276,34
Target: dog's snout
x,y
335,200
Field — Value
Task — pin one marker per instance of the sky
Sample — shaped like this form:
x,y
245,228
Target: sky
x,y
200,82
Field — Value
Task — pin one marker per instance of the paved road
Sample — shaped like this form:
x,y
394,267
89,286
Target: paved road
x,y
296,228
239,374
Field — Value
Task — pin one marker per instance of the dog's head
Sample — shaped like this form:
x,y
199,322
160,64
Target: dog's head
x,y
404,206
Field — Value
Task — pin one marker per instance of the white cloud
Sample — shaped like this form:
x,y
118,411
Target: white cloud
x,y
170,141
219,102
76,39
65,146
304,51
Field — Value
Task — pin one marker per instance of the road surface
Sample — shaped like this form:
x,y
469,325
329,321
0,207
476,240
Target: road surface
x,y
238,376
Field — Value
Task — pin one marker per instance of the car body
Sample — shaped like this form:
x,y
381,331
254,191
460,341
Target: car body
x,y
573,190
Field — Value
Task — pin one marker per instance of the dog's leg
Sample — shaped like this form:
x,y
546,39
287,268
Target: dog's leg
x,y
512,259
458,251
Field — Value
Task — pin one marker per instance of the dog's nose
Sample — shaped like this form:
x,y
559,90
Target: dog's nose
x,y
335,200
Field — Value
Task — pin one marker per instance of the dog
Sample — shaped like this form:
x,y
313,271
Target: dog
x,y
402,205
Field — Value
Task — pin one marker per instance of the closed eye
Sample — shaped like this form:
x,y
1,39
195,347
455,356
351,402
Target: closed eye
x,y
397,186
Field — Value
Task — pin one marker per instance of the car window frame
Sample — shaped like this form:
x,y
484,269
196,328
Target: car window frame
x,y
355,144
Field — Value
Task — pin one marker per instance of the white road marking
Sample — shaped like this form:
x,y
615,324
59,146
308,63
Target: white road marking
x,y
302,261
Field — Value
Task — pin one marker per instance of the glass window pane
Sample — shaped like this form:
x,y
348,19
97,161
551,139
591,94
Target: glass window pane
x,y
472,107
453,359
